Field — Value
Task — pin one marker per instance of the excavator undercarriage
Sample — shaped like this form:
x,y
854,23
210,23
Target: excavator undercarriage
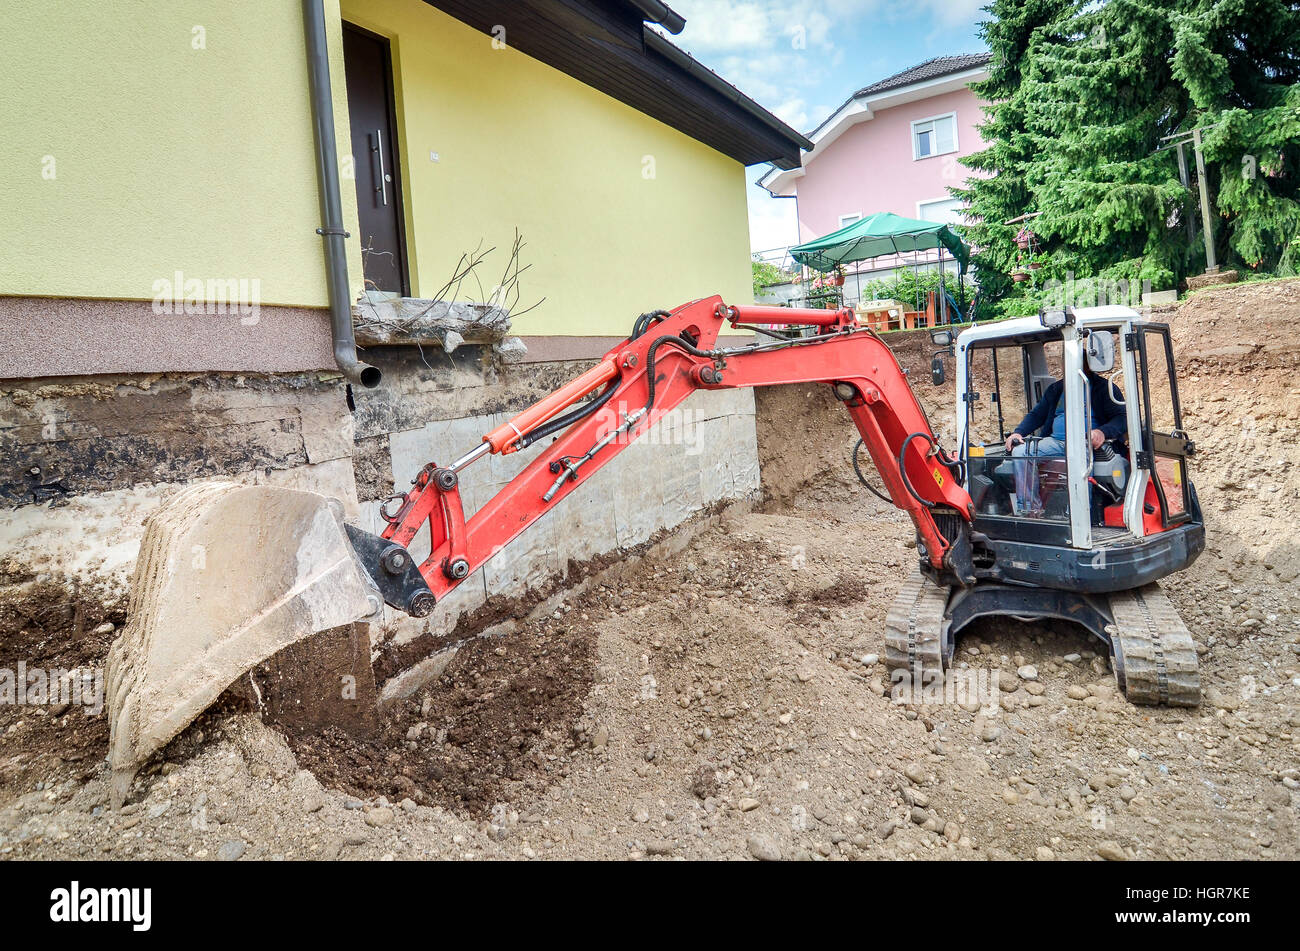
x,y
1152,653
230,574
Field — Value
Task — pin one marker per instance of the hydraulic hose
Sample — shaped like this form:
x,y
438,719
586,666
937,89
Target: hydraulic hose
x,y
650,362
642,323
571,417
907,483
902,468
639,327
863,479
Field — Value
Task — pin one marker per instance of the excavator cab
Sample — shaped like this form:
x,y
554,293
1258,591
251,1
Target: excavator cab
x,y
1066,525
1104,465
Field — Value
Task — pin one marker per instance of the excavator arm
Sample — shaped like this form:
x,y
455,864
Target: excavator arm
x,y
230,573
668,357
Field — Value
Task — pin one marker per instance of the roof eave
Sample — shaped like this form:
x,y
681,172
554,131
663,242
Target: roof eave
x,y
779,182
697,70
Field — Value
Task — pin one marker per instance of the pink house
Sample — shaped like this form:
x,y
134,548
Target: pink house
x,y
896,145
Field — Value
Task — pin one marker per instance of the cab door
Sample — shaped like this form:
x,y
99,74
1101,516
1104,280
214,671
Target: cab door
x,y
1165,446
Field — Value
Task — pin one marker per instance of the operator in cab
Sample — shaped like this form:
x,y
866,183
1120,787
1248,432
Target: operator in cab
x,y
1042,431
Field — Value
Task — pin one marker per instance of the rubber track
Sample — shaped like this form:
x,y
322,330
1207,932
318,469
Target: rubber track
x,y
1153,653
912,628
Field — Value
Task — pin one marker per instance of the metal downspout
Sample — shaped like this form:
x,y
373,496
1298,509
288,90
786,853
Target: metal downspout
x,y
331,207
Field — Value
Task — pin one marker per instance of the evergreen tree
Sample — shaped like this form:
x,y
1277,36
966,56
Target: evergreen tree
x,y
1100,96
1239,61
998,192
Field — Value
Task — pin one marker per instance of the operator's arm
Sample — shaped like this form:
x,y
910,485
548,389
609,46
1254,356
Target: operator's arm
x,y
1111,418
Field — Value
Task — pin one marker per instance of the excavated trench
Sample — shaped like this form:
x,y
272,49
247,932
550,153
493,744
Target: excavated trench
x,y
723,700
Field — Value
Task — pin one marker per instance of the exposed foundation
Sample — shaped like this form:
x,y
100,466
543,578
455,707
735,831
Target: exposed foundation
x,y
87,459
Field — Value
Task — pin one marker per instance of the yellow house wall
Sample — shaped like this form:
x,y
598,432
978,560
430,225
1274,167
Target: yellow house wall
x,y
620,213
181,140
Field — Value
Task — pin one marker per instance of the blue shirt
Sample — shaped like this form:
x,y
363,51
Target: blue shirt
x,y
1058,422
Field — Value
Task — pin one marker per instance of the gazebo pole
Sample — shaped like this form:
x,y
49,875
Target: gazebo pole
x,y
916,275
943,296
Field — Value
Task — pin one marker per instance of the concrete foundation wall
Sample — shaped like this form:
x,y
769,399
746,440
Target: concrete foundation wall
x,y
84,460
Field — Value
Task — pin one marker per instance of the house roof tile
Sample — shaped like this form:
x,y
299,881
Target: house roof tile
x,y
930,69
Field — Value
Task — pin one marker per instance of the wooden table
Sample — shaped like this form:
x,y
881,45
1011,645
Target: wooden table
x,y
880,314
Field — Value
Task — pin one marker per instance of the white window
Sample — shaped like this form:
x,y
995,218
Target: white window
x,y
846,220
936,135
945,211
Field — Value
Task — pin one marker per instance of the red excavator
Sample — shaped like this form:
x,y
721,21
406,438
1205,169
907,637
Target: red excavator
x,y
1081,535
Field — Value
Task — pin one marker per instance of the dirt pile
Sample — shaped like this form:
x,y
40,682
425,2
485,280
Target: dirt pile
x,y
496,718
728,700
1246,327
50,628
807,437
1241,403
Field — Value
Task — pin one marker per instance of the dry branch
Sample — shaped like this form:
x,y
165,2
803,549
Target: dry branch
x,y
442,320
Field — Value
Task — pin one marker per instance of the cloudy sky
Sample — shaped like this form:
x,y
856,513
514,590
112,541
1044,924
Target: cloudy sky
x,y
803,58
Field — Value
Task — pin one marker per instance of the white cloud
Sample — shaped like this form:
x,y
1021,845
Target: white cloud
x,y
779,52
725,25
767,77
773,222
793,112
948,13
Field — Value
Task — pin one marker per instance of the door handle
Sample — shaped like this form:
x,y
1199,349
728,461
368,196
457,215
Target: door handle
x,y
382,187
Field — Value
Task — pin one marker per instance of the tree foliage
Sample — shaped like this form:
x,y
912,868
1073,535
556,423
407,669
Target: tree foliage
x,y
999,190
765,275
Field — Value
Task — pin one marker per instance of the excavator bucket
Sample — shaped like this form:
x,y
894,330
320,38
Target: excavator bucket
x,y
227,576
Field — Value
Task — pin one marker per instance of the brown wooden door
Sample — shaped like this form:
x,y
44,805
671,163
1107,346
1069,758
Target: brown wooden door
x,y
368,66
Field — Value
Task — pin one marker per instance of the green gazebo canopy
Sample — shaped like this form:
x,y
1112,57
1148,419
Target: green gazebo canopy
x,y
881,233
